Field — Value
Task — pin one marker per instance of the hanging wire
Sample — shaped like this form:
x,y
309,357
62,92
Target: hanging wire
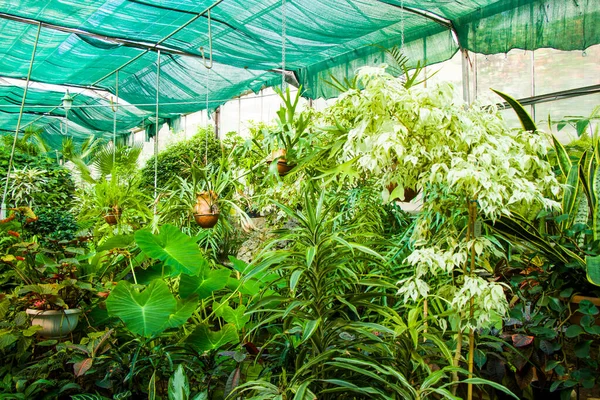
x,y
156,132
402,26
206,133
115,110
12,153
283,38
210,46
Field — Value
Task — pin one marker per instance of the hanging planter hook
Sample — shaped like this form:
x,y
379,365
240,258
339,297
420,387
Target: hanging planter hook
x,y
210,47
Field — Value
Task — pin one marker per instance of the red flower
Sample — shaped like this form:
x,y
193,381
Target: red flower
x,y
13,233
20,258
10,218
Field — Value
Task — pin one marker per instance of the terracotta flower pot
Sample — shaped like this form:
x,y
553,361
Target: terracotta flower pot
x,y
576,316
206,203
207,220
55,323
112,218
283,168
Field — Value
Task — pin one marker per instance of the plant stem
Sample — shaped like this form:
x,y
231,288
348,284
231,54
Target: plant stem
x,y
472,219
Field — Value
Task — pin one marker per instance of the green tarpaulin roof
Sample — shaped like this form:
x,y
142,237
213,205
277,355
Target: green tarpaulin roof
x,y
82,42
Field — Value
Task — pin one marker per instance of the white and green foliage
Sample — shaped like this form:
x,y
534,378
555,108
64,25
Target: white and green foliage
x,y
422,138
25,183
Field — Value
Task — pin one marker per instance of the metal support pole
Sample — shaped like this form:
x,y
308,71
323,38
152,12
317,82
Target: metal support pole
x,y
465,76
12,153
157,128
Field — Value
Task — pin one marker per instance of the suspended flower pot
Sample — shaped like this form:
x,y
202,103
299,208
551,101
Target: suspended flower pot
x,y
283,168
113,216
206,210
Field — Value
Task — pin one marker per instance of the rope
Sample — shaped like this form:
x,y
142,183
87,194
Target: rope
x,y
12,153
156,134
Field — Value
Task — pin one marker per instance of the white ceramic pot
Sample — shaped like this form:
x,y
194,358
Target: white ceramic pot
x,y
55,323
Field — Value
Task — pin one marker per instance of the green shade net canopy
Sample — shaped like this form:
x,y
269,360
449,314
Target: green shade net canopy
x,y
83,42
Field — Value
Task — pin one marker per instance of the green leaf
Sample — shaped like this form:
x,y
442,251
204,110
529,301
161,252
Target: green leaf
x,y
582,349
497,386
302,391
294,278
309,329
524,117
179,388
235,317
593,269
116,242
204,284
145,312
174,248
152,387
206,340
573,331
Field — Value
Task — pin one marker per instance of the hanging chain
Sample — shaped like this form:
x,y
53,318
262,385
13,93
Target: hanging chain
x,y
283,38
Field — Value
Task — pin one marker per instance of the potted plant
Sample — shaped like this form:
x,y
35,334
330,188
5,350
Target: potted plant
x,y
288,139
51,287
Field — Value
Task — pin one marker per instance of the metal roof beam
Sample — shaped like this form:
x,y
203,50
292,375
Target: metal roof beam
x,y
113,39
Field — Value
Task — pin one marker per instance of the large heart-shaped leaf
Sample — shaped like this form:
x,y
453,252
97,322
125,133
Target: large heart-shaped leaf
x,y
174,248
204,284
237,317
149,311
206,340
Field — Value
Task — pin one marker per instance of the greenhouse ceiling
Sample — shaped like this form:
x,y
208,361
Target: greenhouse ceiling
x,y
114,46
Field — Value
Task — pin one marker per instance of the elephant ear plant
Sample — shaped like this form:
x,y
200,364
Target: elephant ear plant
x,y
467,163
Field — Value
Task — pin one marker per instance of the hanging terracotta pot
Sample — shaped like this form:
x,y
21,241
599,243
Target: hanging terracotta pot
x,y
113,216
206,210
283,168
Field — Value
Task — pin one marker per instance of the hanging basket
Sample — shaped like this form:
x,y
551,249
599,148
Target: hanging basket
x,y
207,220
112,218
206,210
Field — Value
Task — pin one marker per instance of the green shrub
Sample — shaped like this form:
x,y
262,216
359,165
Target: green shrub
x,y
170,160
52,226
58,188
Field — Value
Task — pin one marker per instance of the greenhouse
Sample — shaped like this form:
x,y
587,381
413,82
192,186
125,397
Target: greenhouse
x,y
300,199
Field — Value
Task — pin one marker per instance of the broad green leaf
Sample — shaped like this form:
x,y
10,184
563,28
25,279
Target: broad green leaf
x,y
185,309
497,386
582,349
207,282
570,192
179,388
174,248
573,331
206,340
235,317
145,312
593,269
116,242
